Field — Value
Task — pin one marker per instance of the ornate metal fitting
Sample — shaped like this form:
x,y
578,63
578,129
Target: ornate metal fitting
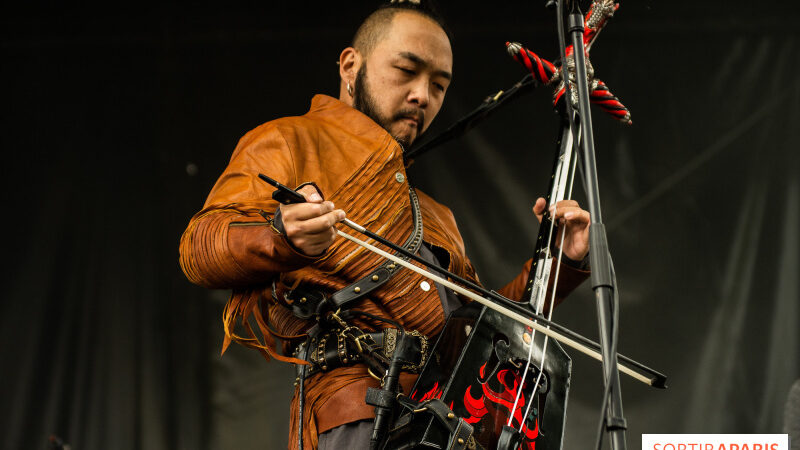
x,y
389,341
571,75
335,316
601,10
390,337
361,337
372,374
424,345
348,331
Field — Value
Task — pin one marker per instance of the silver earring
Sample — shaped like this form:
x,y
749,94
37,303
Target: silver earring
x,y
349,89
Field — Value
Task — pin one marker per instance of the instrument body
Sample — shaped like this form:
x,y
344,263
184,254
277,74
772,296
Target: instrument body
x,y
480,382
482,356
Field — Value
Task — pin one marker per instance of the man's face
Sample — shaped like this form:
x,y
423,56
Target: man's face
x,y
402,83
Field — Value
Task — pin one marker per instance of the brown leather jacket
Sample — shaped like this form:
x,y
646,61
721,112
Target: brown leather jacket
x,y
359,167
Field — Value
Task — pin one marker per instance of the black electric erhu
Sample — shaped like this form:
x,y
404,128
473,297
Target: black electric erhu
x,y
480,381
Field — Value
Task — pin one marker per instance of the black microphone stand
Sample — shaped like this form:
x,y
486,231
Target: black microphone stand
x,y
600,259
471,120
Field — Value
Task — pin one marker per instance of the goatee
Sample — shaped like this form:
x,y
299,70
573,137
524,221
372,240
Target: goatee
x,y
365,102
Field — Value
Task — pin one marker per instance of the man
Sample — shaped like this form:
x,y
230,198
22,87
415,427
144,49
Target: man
x,y
346,157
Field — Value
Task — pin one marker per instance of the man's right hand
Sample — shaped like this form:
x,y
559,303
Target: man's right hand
x,y
309,226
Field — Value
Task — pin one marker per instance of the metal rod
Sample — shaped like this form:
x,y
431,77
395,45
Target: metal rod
x,y
600,258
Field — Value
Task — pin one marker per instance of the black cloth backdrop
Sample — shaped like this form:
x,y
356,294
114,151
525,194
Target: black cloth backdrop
x,y
116,124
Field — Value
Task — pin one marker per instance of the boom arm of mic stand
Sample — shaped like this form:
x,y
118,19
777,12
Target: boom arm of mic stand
x,y
472,119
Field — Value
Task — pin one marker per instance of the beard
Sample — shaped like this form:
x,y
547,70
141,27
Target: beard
x,y
364,101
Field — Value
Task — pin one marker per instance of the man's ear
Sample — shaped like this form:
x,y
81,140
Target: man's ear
x,y
349,63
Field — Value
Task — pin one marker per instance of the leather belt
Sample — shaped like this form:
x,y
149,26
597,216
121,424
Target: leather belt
x,y
337,348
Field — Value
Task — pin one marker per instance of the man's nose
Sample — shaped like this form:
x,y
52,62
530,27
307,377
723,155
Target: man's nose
x,y
420,93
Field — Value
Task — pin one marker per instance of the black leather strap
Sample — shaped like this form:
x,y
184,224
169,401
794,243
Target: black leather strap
x,y
461,438
308,302
385,271
305,303
460,431
379,397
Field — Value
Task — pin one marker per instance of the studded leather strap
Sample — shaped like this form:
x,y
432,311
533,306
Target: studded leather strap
x,y
385,271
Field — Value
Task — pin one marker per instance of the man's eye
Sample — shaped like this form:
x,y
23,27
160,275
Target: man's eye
x,y
439,87
407,71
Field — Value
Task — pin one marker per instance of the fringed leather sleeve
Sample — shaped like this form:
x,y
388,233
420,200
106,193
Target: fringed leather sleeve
x,y
242,305
230,243
228,247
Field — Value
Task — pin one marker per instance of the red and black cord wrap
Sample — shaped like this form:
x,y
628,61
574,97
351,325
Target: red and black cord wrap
x,y
548,73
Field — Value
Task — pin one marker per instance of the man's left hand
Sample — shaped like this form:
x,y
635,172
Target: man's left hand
x,y
573,221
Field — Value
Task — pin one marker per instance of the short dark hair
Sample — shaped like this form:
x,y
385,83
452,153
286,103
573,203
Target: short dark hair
x,y
374,27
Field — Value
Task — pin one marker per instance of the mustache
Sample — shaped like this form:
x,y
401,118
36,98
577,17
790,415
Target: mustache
x,y
411,113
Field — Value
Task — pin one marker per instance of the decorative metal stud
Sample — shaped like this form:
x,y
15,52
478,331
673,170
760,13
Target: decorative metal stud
x,y
375,278
451,415
399,177
526,337
357,289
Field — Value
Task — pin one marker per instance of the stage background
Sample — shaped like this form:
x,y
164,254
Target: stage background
x,y
117,121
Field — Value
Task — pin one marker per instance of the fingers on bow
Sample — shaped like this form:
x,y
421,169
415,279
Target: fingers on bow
x,y
313,218
311,193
